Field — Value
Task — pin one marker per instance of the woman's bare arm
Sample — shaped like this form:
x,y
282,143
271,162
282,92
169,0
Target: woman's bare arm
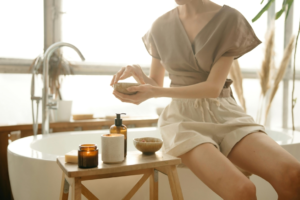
x,y
156,77
211,88
157,74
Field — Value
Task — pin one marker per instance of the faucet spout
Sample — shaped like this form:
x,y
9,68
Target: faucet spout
x,y
58,45
45,104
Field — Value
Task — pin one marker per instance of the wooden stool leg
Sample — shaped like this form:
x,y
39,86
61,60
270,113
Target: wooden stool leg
x,y
137,186
62,195
154,185
76,189
88,194
174,183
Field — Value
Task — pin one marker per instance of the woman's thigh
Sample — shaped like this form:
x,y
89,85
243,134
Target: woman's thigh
x,y
261,155
218,173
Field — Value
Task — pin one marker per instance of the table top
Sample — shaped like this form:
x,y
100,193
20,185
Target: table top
x,y
135,160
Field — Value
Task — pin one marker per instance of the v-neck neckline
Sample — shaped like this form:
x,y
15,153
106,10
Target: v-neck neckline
x,y
191,44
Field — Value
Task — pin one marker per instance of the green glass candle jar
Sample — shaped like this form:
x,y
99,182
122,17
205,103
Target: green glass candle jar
x,y
87,156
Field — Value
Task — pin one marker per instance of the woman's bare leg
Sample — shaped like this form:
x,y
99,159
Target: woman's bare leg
x,y
261,155
218,173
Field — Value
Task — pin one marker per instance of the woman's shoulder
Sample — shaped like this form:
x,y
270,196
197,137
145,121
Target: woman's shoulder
x,y
164,20
233,14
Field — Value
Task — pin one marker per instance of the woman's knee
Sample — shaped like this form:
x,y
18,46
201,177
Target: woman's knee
x,y
245,190
288,183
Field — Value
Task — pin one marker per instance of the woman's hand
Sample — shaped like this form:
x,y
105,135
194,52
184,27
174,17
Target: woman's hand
x,y
130,70
144,92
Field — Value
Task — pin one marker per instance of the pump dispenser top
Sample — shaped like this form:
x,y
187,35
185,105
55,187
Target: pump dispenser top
x,y
118,120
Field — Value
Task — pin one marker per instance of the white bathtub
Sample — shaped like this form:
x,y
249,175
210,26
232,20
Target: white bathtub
x,y
34,174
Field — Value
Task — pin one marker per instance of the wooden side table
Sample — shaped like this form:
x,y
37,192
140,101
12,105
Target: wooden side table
x,y
135,163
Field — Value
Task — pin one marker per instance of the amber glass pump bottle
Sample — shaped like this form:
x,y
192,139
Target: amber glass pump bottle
x,y
120,128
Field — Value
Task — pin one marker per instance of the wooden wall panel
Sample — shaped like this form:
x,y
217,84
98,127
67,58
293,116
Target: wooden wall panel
x,y
5,191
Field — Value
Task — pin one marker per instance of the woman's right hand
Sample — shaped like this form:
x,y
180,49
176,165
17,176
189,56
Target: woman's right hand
x,y
130,70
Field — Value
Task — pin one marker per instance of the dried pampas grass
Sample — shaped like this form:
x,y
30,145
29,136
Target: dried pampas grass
x,y
236,76
294,100
264,73
58,67
281,71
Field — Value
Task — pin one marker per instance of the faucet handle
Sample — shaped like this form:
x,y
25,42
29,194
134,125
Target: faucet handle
x,y
52,105
50,96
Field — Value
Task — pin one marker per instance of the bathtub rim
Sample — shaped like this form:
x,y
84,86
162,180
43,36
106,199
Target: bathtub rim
x,y
22,146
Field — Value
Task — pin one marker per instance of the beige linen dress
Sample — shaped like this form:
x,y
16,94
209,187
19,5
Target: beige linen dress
x,y
187,123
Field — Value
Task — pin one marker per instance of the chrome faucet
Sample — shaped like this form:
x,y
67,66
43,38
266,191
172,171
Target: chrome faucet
x,y
46,97
37,63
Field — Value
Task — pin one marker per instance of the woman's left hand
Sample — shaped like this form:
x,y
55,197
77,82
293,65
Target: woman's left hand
x,y
144,92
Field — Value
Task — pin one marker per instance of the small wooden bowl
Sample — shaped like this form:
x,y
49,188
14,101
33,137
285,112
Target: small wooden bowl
x,y
150,146
122,87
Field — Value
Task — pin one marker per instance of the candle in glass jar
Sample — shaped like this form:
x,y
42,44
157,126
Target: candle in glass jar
x,y
87,156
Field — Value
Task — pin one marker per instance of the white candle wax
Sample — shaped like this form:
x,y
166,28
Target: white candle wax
x,y
112,148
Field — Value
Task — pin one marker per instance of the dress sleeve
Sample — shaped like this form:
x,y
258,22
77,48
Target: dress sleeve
x,y
150,45
237,39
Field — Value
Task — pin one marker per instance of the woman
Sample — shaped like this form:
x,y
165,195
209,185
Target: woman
x,y
196,43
